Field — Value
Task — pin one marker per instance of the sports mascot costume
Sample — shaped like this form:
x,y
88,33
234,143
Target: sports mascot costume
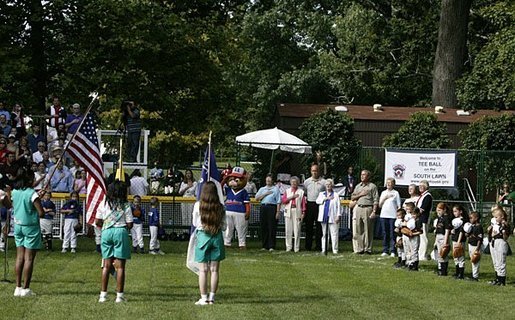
x,y
237,206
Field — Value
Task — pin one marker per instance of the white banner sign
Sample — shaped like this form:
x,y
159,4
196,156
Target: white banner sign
x,y
407,167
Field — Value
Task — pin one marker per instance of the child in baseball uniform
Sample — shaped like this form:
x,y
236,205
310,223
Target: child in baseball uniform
x,y
47,220
4,213
458,240
401,254
414,224
153,224
72,211
474,233
499,231
138,217
443,227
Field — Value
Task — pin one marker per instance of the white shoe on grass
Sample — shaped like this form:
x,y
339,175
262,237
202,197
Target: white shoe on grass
x,y
102,299
27,293
73,250
63,251
392,255
384,254
120,300
17,291
201,302
160,252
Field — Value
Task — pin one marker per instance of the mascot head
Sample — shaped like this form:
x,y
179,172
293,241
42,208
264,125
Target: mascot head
x,y
237,179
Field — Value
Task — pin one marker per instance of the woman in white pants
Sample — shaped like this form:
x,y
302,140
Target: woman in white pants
x,y
329,212
294,202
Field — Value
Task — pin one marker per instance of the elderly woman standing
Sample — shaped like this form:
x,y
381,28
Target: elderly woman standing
x,y
294,202
329,212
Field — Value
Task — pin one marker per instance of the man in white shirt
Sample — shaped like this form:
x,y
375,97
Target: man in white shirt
x,y
314,185
37,156
139,185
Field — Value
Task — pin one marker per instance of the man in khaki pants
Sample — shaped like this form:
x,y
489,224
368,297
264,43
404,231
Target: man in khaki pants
x,y
367,199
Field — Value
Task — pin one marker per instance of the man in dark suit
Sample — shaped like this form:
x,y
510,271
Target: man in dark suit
x,y
349,181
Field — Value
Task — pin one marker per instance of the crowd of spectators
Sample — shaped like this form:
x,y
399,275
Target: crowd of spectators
x,y
38,143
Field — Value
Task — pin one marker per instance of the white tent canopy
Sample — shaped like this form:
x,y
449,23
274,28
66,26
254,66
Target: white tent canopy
x,y
274,139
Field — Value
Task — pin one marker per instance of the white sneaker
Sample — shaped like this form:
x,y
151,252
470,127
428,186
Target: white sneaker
x,y
201,302
102,299
63,251
271,249
384,254
120,300
17,291
73,251
161,252
392,255
27,293
153,252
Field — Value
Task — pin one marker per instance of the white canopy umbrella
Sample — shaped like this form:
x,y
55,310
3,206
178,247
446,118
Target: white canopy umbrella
x,y
274,139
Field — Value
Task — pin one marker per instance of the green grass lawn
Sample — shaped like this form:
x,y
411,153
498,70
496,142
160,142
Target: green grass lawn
x,y
255,285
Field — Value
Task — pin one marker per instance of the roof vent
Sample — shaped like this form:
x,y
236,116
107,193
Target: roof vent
x,y
341,108
439,109
378,108
462,113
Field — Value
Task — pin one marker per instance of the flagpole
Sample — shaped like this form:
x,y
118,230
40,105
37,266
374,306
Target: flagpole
x,y
209,157
94,96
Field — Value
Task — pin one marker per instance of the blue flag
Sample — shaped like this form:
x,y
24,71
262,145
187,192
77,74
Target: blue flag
x,y
214,175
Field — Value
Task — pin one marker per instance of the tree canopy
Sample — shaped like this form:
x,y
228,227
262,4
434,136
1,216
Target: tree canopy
x,y
223,65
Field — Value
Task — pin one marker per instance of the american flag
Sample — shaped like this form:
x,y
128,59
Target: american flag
x,y
85,150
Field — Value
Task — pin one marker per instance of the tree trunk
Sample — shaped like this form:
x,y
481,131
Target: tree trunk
x,y
37,48
450,51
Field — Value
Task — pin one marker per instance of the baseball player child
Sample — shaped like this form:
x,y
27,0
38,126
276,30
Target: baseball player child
x,y
474,232
46,222
498,233
414,226
153,224
458,240
443,227
138,217
401,255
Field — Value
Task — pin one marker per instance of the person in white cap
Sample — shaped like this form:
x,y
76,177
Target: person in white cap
x,y
458,240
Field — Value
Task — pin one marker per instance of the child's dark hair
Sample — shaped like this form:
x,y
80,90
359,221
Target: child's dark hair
x,y
416,211
410,205
136,196
74,193
464,214
24,179
402,212
475,214
116,193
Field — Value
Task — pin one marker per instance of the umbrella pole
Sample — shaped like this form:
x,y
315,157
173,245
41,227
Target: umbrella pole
x,y
271,161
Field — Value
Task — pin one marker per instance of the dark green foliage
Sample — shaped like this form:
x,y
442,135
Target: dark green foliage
x,y
494,137
332,134
421,130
